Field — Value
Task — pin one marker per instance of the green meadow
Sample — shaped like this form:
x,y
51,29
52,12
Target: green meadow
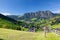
x,y
8,34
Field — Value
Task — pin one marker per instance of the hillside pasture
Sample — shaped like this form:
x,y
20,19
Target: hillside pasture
x,y
8,34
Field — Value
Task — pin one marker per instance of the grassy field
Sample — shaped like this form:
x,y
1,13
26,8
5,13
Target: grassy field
x,y
7,34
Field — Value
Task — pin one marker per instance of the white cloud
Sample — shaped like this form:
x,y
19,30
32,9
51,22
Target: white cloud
x,y
56,11
5,13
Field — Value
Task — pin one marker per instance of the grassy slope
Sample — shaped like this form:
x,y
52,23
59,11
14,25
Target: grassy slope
x,y
8,34
7,24
56,26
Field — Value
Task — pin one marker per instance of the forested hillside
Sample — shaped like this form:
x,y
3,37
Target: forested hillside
x,y
9,23
34,23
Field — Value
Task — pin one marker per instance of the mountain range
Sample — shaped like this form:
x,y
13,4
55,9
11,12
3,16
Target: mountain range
x,y
32,19
34,15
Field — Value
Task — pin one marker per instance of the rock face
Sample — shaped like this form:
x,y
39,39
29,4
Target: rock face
x,y
39,14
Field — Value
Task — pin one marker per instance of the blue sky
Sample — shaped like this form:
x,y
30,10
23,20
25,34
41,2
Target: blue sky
x,y
19,7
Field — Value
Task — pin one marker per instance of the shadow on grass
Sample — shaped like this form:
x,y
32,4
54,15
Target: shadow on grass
x,y
1,39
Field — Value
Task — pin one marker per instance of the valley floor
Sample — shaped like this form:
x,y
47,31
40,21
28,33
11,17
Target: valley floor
x,y
7,34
